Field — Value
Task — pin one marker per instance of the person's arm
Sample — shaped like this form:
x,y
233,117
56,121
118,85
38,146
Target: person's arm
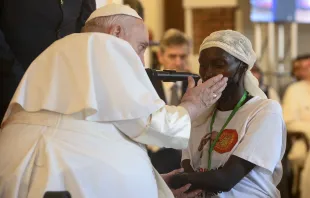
x,y
88,6
168,127
298,136
221,180
299,126
263,145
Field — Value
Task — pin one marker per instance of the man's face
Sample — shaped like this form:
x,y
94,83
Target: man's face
x,y
301,69
174,57
138,37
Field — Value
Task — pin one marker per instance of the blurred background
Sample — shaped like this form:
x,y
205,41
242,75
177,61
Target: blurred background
x,y
279,29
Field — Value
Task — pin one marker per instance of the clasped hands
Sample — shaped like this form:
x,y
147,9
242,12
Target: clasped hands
x,y
178,183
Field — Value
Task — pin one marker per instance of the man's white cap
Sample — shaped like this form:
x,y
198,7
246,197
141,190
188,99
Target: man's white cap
x,y
113,9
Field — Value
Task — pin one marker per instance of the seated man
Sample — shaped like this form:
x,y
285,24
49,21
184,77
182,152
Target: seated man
x,y
296,111
296,108
235,148
85,109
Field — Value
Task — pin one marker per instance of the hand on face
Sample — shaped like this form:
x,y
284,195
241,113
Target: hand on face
x,y
198,99
215,61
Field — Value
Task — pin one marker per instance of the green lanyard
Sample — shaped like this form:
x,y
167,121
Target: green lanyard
x,y
236,108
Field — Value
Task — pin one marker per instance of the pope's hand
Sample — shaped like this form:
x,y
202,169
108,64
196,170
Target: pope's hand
x,y
198,99
182,191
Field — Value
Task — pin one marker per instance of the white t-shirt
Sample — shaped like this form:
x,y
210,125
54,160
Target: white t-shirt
x,y
257,134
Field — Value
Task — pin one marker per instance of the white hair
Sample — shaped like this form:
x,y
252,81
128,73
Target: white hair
x,y
104,23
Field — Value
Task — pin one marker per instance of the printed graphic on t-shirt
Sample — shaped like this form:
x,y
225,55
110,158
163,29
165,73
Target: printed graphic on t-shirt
x,y
225,143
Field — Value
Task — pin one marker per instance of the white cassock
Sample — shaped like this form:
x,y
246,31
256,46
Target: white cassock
x,y
79,121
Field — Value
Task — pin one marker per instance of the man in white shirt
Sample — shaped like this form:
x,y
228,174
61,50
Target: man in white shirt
x,y
296,111
84,110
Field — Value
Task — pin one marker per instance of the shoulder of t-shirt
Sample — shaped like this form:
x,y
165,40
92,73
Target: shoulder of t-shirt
x,y
266,105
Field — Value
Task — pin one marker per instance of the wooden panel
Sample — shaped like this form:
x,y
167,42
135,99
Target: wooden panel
x,y
209,3
174,14
208,20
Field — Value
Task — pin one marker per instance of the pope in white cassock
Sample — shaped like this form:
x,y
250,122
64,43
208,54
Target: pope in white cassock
x,y
85,109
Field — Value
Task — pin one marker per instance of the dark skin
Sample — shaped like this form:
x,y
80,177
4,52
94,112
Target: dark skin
x,y
214,61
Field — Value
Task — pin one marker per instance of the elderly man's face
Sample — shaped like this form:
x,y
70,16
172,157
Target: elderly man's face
x,y
138,37
174,57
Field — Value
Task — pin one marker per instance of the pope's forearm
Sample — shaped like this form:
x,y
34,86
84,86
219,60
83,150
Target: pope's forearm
x,y
168,127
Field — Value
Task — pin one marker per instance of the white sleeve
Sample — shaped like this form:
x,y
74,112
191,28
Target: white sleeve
x,y
168,127
265,138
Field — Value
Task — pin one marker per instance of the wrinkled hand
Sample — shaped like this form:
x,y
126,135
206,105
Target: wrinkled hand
x,y
180,192
198,99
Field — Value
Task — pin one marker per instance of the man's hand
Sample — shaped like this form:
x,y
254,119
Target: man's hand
x,y
198,99
180,193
